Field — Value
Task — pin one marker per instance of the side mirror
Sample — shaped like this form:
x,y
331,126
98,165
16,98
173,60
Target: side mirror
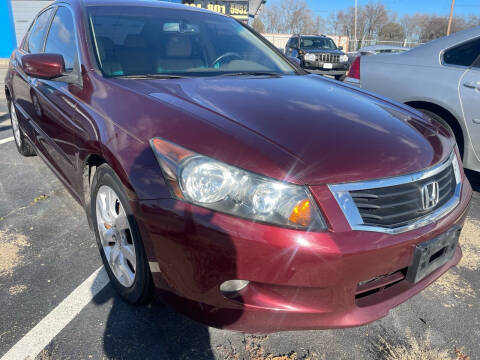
x,y
43,65
340,48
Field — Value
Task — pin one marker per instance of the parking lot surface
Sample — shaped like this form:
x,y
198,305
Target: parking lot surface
x,y
47,251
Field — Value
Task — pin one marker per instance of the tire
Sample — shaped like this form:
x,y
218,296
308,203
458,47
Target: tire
x,y
23,145
118,238
340,77
456,134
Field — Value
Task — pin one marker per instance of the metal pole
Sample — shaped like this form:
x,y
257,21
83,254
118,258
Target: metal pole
x,y
451,18
355,37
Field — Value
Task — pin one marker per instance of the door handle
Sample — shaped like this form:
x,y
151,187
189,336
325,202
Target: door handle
x,y
472,85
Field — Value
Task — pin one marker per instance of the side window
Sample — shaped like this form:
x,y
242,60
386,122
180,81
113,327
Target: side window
x,y
61,37
37,33
295,43
464,54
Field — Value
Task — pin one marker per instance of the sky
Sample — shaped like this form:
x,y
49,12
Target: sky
x,y
440,7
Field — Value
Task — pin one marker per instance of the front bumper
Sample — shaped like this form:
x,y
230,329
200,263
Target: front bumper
x,y
298,280
317,67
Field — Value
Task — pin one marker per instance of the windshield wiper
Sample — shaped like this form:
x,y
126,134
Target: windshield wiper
x,y
150,76
252,73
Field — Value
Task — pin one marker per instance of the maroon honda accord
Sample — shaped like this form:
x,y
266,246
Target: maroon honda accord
x,y
248,193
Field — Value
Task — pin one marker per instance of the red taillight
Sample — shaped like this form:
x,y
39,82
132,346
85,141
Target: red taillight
x,y
354,71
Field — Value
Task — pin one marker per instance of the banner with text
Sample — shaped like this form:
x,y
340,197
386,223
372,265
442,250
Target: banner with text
x,y
235,8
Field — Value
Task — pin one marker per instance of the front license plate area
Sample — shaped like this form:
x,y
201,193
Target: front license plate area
x,y
432,254
328,66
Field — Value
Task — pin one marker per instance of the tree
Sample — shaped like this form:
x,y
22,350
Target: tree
x,y
371,18
411,27
392,32
258,25
292,17
433,27
374,22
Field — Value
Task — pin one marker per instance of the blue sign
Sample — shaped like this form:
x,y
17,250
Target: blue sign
x,y
7,30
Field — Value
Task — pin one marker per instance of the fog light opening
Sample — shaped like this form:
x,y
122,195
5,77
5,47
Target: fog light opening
x,y
232,288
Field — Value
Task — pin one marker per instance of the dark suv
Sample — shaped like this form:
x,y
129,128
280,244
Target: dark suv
x,y
318,54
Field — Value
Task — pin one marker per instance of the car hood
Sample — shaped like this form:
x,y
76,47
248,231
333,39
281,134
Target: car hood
x,y
312,130
324,51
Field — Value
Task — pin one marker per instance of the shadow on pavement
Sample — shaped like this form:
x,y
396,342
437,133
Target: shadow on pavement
x,y
4,117
151,332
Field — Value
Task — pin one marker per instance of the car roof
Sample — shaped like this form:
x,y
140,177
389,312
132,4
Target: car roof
x,y
448,41
322,36
428,54
382,47
146,3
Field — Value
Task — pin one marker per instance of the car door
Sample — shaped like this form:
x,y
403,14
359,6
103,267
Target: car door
x,y
466,56
470,96
54,102
21,82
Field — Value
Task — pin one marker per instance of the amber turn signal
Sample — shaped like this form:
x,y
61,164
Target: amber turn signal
x,y
302,214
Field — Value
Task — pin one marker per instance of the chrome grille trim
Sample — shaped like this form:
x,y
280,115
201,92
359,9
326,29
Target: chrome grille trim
x,y
328,58
341,192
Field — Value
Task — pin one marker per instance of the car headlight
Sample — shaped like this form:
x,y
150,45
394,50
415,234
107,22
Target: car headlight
x,y
212,184
310,57
343,58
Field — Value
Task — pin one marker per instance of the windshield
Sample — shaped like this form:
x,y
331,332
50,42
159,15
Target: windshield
x,y
317,43
140,41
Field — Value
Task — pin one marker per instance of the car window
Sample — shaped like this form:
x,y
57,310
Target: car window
x,y
476,64
464,54
61,37
37,33
134,40
317,43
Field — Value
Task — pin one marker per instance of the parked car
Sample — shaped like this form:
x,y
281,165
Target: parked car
x,y
375,50
440,79
318,55
250,194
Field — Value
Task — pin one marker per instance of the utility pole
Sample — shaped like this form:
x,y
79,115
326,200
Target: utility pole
x,y
449,30
356,16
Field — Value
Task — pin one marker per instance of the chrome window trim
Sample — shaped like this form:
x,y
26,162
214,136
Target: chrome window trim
x,y
341,192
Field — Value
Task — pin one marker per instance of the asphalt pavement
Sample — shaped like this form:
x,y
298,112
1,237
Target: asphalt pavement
x,y
47,251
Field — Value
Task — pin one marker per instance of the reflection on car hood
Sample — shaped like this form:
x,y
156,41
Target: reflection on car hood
x,y
330,132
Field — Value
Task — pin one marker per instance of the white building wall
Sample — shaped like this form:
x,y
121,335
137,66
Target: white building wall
x,y
24,12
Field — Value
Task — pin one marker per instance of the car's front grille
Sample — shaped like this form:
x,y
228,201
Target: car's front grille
x,y
328,58
399,205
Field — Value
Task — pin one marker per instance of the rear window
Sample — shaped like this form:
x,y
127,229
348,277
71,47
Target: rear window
x,y
464,54
138,40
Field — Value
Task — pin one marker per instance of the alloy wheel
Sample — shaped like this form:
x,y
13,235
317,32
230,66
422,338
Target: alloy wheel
x,y
15,126
116,236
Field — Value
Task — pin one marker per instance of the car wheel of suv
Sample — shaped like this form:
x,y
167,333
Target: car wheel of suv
x,y
23,146
118,238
